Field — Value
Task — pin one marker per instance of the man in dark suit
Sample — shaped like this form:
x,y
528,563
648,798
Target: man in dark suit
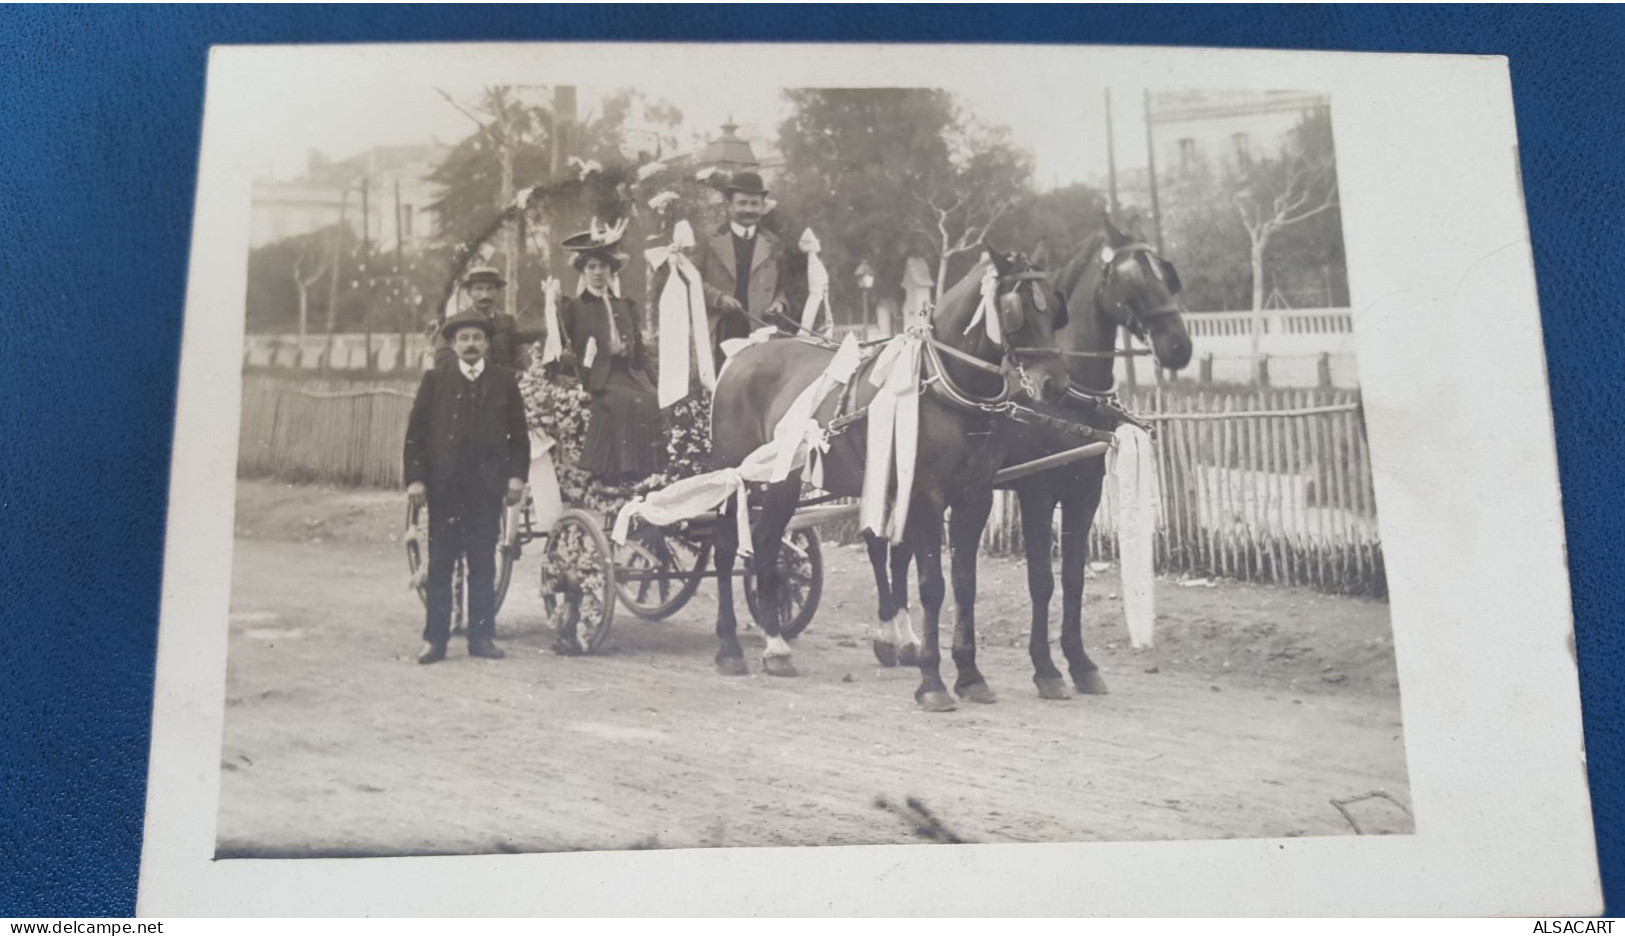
x,y
484,286
467,453
743,265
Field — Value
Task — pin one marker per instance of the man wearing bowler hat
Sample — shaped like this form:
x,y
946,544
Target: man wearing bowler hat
x,y
467,454
484,286
743,266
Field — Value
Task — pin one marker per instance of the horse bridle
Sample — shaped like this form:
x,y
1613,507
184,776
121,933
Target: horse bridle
x,y
1012,355
1137,322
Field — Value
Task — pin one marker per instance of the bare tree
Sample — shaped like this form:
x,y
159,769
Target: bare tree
x,y
944,214
986,178
1278,193
303,281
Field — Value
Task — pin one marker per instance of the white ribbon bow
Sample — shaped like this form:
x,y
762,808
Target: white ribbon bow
x,y
817,283
682,319
553,344
988,308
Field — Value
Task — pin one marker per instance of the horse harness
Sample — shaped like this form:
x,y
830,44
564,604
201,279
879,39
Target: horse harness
x,y
937,381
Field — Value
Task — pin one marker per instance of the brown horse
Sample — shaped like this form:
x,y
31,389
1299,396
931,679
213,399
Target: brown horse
x,y
964,374
1114,280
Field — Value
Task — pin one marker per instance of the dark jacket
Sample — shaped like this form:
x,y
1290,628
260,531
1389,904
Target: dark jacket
x,y
583,317
495,445
506,343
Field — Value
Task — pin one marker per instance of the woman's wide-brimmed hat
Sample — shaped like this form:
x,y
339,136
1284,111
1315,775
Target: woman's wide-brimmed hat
x,y
598,242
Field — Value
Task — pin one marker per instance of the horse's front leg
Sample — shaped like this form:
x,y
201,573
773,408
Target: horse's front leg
x,y
965,532
1037,535
894,642
725,541
884,641
908,645
925,538
778,506
1077,516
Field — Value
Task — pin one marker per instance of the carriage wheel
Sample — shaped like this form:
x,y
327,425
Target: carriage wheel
x,y
671,561
417,556
578,582
802,562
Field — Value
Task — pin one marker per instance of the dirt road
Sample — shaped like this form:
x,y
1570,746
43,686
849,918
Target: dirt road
x,y
1258,707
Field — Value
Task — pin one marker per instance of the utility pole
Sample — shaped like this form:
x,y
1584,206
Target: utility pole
x,y
1151,171
564,114
1111,157
510,228
366,269
404,315
333,283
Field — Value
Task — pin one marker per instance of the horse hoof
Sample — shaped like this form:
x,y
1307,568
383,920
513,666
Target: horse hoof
x,y
779,666
885,653
732,666
567,646
1051,687
977,692
936,701
1089,683
908,655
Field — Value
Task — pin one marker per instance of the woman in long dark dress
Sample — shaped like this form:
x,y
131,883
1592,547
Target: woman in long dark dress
x,y
624,433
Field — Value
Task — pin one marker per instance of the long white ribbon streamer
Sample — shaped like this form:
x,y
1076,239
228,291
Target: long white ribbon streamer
x,y
687,499
790,448
893,439
798,435
1132,465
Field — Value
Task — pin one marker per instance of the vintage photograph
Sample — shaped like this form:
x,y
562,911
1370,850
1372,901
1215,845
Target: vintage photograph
x,y
837,481
620,468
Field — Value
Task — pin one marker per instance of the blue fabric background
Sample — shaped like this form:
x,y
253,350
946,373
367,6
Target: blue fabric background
x,y
100,115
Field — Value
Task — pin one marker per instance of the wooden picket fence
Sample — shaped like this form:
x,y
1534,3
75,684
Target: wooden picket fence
x,y
337,431
1268,485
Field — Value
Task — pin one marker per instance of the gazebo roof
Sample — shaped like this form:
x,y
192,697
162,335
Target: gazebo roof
x,y
728,149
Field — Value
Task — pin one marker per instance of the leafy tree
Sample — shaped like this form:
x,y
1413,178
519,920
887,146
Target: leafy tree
x,y
1060,220
851,156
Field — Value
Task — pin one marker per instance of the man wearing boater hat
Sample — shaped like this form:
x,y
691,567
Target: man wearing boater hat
x,y
467,453
484,286
743,266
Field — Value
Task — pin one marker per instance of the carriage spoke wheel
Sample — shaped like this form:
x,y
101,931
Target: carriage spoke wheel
x,y
578,583
417,558
802,564
656,572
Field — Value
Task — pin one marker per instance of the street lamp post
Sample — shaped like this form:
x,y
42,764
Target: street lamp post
x,y
866,282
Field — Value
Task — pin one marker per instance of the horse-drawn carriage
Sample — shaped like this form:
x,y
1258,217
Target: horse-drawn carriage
x,y
1008,331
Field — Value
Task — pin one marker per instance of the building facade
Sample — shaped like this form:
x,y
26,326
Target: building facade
x,y
361,190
